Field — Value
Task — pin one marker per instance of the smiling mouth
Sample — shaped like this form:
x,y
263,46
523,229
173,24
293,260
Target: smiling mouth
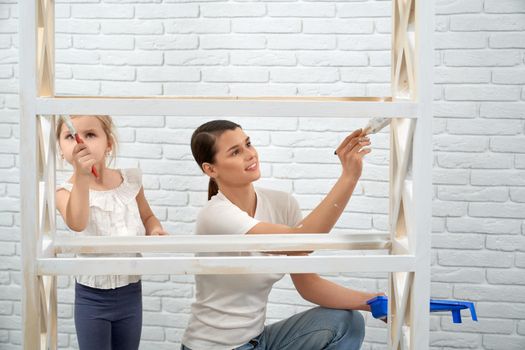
x,y
251,167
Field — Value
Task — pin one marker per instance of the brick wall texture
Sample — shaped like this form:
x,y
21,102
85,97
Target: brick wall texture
x,y
283,48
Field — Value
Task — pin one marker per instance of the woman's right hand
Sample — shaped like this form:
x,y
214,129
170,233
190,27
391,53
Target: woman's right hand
x,y
351,153
82,159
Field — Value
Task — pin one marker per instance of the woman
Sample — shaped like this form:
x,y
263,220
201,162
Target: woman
x,y
230,310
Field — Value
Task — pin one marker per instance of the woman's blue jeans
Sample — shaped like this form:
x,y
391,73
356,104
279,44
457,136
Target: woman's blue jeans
x,y
314,329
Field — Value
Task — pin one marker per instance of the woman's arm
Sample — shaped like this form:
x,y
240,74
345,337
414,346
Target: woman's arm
x,y
328,294
150,221
326,214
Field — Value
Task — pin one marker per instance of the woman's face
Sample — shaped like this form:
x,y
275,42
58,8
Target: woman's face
x,y
236,160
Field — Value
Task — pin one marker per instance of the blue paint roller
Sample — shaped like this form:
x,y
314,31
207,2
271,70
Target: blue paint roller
x,y
379,307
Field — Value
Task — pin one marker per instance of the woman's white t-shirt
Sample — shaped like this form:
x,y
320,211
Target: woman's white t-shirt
x,y
230,310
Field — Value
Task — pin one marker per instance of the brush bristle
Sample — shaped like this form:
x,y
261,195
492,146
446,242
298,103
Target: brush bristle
x,y
69,124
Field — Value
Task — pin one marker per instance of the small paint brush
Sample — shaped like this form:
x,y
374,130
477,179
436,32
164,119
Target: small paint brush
x,y
375,125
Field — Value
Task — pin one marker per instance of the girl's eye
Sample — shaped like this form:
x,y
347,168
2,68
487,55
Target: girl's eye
x,y
248,144
69,137
90,135
236,152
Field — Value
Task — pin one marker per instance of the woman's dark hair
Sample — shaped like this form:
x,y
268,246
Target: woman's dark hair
x,y
203,145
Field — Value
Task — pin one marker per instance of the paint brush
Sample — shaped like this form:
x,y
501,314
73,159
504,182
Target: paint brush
x,y
73,132
375,125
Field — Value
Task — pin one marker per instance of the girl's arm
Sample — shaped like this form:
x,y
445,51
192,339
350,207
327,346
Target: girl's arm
x,y
150,221
326,214
328,294
74,205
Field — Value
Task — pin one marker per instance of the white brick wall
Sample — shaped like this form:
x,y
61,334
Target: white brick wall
x,y
338,48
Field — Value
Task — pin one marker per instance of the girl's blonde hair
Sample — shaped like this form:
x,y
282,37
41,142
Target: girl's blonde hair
x,y
107,125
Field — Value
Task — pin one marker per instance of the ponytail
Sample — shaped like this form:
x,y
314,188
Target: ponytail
x,y
213,188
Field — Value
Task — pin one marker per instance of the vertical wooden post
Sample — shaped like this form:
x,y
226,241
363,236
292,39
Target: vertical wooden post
x,y
37,172
31,307
422,174
410,173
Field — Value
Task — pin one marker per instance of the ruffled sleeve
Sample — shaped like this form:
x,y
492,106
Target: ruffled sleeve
x,y
132,179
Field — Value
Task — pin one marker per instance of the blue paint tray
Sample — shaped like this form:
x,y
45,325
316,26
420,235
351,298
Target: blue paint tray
x,y
379,307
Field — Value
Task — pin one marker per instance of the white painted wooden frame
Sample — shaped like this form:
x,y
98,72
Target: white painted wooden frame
x,y
408,242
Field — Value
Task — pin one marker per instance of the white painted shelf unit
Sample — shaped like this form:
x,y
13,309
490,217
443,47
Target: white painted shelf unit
x,y
407,243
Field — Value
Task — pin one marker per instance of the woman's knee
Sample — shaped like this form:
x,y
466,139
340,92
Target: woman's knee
x,y
350,319
356,323
346,323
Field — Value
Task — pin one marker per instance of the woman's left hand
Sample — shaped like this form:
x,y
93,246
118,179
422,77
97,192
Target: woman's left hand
x,y
380,294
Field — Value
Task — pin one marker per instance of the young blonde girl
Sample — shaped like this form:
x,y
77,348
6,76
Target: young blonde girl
x,y
108,308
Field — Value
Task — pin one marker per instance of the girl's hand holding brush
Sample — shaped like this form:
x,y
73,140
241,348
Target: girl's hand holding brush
x,y
83,161
79,141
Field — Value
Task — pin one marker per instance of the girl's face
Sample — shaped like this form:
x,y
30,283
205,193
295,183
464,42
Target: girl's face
x,y
236,160
91,132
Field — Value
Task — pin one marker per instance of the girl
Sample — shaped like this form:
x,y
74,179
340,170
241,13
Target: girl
x,y
108,309
229,311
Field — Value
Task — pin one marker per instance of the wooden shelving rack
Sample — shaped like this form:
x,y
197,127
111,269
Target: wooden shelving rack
x,y
408,243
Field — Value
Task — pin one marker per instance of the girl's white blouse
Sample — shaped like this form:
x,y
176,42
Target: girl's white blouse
x,y
113,213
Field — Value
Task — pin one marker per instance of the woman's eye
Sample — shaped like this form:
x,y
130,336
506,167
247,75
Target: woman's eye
x,y
90,135
69,137
249,144
236,152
